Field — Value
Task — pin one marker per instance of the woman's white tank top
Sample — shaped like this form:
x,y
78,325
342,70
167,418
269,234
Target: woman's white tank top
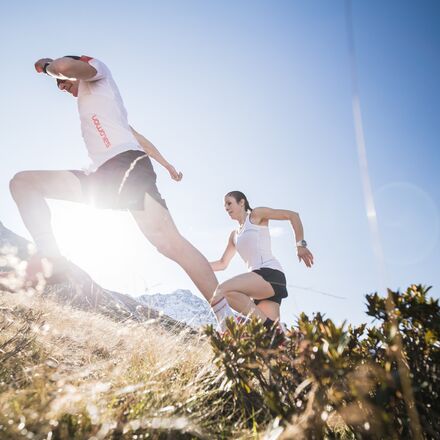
x,y
254,246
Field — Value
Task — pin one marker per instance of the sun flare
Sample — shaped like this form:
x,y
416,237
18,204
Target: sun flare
x,y
105,243
110,247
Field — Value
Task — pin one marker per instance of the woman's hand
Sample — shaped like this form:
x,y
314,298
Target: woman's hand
x,y
177,176
305,255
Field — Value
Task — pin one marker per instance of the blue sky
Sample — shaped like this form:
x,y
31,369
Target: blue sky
x,y
254,96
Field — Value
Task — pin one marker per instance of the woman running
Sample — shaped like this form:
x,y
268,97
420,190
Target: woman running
x,y
260,291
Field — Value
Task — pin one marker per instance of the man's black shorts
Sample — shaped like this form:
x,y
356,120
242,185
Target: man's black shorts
x,y
121,182
277,280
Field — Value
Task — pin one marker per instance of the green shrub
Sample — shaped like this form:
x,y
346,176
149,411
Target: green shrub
x,y
328,380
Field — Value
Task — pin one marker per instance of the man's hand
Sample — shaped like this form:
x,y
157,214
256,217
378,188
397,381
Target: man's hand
x,y
39,65
305,255
177,176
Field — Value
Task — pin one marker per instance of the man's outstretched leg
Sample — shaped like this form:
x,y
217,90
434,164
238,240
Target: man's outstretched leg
x,y
157,225
30,190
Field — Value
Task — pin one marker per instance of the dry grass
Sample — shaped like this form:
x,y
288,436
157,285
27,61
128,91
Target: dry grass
x,y
66,372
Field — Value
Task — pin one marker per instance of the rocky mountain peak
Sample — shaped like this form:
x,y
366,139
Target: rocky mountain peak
x,y
181,305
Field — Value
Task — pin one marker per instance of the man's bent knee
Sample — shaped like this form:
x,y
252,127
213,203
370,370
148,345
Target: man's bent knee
x,y
20,182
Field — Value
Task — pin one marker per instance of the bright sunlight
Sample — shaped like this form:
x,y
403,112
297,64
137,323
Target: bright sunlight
x,y
109,246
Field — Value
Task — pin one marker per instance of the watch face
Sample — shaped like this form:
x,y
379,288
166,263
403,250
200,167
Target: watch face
x,y
303,243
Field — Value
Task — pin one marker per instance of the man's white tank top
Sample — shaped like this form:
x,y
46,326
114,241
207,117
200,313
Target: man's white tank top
x,y
253,244
104,122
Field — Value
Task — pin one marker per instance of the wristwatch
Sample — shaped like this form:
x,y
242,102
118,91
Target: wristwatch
x,y
46,65
301,243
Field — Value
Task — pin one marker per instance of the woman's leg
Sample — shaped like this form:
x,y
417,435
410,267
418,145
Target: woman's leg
x,y
271,309
239,290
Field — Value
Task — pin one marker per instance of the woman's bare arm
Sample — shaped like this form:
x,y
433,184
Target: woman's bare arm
x,y
261,216
229,252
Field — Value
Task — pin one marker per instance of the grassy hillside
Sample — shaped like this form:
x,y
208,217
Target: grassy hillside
x,y
71,374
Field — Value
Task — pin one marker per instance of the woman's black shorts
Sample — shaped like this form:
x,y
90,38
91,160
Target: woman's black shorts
x,y
277,280
121,182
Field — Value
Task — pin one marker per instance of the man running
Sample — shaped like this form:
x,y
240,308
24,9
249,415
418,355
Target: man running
x,y
121,176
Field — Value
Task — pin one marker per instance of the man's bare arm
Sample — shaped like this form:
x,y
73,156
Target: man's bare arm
x,y
154,153
66,68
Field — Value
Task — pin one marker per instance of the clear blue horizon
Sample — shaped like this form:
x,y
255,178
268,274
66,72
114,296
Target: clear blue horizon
x,y
254,96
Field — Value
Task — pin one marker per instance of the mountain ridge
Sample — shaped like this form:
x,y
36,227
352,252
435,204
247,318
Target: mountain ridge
x,y
115,305
181,305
